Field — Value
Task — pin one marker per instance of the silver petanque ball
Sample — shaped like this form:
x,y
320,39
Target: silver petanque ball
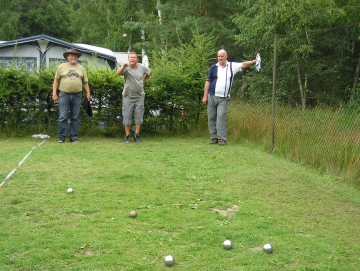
x,y
227,244
70,190
169,260
268,248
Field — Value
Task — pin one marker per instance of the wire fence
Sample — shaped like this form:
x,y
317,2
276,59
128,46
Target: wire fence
x,y
323,138
310,111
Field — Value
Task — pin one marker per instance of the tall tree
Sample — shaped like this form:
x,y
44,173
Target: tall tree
x,y
176,87
212,17
9,17
310,56
101,22
44,17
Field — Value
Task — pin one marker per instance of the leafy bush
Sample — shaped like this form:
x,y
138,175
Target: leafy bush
x,y
176,87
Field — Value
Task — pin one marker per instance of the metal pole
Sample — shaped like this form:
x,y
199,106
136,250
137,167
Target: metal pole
x,y
273,97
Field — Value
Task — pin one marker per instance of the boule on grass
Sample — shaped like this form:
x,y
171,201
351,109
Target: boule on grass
x,y
268,248
169,260
227,244
133,214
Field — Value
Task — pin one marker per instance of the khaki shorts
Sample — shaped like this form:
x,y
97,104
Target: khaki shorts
x,y
130,106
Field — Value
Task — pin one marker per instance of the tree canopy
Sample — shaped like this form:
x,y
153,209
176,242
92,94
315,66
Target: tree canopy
x,y
318,40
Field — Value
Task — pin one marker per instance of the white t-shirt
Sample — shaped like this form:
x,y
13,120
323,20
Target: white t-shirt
x,y
221,78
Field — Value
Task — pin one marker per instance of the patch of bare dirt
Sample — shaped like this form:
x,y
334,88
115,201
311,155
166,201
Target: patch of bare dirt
x,y
227,212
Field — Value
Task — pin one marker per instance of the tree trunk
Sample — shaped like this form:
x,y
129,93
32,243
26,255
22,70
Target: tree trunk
x,y
356,78
302,88
160,21
159,12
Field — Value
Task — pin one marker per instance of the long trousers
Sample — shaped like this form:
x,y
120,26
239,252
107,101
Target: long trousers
x,y
217,108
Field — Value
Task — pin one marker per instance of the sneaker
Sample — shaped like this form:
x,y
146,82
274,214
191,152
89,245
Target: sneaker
x,y
61,140
222,142
127,139
214,141
137,138
75,140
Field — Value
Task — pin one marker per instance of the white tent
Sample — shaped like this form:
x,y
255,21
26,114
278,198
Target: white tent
x,y
121,57
36,51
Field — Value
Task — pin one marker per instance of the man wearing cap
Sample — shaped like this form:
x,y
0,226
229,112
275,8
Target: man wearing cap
x,y
70,77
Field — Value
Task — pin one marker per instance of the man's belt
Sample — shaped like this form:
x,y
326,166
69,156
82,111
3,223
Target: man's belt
x,y
71,93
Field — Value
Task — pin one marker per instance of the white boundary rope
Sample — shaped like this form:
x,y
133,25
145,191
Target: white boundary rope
x,y
26,156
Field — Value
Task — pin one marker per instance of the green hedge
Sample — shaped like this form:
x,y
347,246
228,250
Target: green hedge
x,y
172,103
26,104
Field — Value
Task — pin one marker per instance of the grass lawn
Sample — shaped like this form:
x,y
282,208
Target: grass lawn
x,y
190,197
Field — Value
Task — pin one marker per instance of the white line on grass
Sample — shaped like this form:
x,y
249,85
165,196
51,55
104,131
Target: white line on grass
x,y
26,156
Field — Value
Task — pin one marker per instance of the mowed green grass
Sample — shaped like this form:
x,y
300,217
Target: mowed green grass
x,y
190,196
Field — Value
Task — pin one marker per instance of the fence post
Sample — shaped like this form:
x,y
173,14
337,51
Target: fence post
x,y
273,97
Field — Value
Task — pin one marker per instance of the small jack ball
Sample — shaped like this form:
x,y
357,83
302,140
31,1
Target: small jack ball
x,y
70,190
133,214
124,35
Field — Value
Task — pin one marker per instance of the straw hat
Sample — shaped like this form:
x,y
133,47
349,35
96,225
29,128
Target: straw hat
x,y
71,51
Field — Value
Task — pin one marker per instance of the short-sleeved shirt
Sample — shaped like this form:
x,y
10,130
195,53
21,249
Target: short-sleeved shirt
x,y
134,83
221,78
71,77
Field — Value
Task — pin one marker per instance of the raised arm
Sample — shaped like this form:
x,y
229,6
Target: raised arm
x,y
122,68
247,64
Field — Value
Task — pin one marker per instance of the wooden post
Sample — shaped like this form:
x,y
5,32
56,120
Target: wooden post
x,y
273,97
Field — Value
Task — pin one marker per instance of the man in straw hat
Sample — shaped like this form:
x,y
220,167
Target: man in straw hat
x,y
70,77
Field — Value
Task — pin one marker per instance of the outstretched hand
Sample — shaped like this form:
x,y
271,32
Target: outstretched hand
x,y
258,62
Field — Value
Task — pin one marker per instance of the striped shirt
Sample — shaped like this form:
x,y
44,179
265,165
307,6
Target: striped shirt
x,y
221,78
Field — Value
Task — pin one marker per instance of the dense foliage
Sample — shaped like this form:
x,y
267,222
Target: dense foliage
x,y
316,41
